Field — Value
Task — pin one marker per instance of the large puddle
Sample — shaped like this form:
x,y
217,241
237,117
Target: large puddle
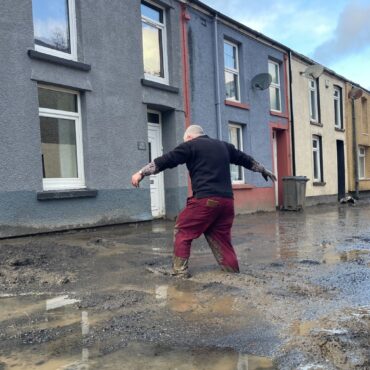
x,y
53,332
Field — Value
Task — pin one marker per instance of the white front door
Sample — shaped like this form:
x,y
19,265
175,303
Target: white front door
x,y
155,150
275,170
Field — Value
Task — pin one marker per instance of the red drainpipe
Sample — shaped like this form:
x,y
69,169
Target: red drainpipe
x,y
184,18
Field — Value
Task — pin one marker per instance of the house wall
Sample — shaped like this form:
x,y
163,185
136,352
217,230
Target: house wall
x,y
304,130
254,111
114,104
362,122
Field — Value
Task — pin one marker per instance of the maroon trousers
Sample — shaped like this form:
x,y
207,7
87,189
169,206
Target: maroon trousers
x,y
212,217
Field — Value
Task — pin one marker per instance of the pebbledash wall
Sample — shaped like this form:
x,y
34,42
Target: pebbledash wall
x,y
207,30
108,75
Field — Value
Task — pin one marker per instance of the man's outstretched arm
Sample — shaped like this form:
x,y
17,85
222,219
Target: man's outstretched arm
x,y
149,169
241,159
169,160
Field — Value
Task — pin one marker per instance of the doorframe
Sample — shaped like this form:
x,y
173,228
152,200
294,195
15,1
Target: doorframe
x,y
158,126
275,164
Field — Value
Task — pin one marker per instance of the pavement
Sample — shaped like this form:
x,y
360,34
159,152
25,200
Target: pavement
x,y
98,298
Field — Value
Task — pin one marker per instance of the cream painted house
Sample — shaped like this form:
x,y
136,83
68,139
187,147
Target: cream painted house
x,y
319,129
360,137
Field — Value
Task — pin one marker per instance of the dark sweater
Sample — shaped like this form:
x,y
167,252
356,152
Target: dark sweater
x,y
208,161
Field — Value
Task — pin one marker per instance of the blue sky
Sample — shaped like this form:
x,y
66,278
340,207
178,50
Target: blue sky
x,y
335,33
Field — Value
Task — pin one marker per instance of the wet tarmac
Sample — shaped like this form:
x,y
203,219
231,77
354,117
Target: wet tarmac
x,y
87,299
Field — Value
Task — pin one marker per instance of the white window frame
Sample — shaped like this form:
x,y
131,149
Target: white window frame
x,y
338,106
276,86
315,90
232,70
240,147
361,166
72,37
318,151
66,183
163,28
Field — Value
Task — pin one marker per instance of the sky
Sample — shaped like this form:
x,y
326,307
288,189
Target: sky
x,y
334,33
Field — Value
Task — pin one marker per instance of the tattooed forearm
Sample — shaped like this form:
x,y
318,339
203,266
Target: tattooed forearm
x,y
149,169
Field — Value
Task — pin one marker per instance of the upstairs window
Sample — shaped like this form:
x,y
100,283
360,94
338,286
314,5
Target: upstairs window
x,y
338,115
231,63
275,93
153,25
236,138
365,116
54,25
314,101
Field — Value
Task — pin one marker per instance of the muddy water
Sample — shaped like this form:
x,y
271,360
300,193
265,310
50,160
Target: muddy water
x,y
86,300
46,315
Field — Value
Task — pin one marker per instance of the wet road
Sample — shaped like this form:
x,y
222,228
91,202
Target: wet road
x,y
87,299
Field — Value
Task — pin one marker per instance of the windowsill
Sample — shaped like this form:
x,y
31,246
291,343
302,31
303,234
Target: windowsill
x,y
242,186
160,86
33,54
66,194
319,183
364,179
339,129
278,114
237,104
316,124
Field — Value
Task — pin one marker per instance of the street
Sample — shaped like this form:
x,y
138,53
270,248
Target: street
x,y
96,299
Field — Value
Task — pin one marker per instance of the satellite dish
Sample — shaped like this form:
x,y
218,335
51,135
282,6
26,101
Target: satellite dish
x,y
261,81
314,71
355,93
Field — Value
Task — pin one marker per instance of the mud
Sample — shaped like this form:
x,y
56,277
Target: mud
x,y
92,299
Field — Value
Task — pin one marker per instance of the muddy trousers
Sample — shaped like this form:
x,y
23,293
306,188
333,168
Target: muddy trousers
x,y
212,217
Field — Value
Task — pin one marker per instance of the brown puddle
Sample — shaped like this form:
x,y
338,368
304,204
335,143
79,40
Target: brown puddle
x,y
139,356
26,315
332,256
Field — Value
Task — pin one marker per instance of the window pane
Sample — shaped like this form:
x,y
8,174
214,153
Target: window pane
x,y
151,12
153,117
313,105
152,48
274,72
316,165
230,56
51,24
275,98
231,85
58,144
361,169
235,139
336,113
57,100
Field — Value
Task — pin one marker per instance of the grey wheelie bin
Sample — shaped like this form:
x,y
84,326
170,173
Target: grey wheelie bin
x,y
294,192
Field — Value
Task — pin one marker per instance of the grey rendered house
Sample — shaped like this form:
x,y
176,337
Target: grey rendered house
x,y
225,57
82,107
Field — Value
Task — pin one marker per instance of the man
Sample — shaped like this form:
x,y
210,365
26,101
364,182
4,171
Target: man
x,y
210,211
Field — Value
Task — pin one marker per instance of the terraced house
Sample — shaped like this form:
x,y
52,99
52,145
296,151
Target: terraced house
x,y
319,131
226,59
358,138
89,93
93,90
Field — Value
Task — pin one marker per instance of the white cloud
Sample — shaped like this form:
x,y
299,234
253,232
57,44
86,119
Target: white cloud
x,y
352,34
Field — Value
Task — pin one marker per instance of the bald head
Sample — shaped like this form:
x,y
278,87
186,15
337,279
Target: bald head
x,y
192,132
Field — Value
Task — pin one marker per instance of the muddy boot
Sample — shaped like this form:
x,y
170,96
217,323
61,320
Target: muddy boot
x,y
180,267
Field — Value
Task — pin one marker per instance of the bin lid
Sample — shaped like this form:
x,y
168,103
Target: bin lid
x,y
295,178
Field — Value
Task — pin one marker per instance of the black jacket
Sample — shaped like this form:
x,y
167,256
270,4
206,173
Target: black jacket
x,y
208,161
